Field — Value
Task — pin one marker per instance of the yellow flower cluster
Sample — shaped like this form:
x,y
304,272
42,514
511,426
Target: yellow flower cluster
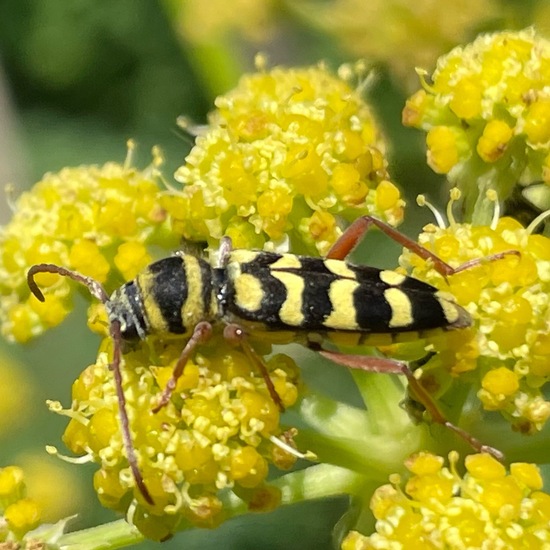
x,y
439,508
84,218
18,514
509,301
486,111
403,34
286,154
218,431
205,22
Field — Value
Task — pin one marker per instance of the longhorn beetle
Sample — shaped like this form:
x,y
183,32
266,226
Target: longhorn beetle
x,y
251,291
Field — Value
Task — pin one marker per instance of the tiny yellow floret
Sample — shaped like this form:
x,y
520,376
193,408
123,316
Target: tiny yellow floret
x,y
11,482
442,149
501,381
438,508
22,516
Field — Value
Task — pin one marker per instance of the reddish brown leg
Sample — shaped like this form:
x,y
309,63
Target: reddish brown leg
x,y
201,334
390,366
353,234
235,333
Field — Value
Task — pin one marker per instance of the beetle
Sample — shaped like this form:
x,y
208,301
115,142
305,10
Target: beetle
x,y
307,297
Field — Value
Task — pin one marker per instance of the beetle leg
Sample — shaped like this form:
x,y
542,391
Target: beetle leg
x,y
390,366
235,333
201,334
354,233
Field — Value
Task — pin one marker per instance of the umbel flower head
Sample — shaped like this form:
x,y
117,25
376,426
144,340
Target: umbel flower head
x,y
219,431
402,34
509,301
437,507
96,220
201,22
486,112
286,153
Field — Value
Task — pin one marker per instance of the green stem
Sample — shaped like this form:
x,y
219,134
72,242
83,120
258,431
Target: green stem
x,y
382,395
320,481
372,442
108,536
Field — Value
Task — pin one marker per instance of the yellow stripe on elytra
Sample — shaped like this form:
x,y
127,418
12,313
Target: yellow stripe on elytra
x,y
290,312
287,261
340,268
192,310
446,301
401,308
243,256
342,315
249,292
153,314
391,278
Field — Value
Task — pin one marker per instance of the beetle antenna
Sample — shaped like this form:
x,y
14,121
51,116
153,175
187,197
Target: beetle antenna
x,y
96,289
123,413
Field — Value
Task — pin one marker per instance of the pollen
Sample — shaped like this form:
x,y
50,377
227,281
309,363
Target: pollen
x,y
285,152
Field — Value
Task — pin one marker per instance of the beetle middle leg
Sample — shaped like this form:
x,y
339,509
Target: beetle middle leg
x,y
235,333
201,334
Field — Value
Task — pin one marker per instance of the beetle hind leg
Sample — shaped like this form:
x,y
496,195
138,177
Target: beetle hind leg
x,y
390,366
355,232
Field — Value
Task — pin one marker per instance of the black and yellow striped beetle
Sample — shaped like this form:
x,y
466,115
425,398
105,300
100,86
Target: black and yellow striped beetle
x,y
249,291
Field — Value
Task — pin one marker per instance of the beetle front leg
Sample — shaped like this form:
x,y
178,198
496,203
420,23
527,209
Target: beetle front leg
x,y
390,366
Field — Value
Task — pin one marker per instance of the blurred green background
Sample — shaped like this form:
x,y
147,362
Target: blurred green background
x,y
80,77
